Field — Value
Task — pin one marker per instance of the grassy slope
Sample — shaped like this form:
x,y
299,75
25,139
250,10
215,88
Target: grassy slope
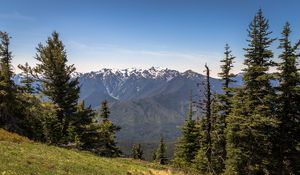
x,y
18,155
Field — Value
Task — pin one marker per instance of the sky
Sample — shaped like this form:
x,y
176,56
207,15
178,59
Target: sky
x,y
174,34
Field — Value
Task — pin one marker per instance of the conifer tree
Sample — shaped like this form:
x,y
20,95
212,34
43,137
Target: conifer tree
x,y
40,121
203,159
187,145
17,113
160,154
57,82
208,114
19,110
221,107
288,107
107,132
252,124
9,117
226,76
137,152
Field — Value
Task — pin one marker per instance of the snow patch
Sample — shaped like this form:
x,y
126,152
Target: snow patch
x,y
111,94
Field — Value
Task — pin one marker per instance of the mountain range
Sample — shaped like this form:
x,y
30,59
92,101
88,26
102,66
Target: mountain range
x,y
146,103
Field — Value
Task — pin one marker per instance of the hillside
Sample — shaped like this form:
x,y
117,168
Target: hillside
x,y
22,156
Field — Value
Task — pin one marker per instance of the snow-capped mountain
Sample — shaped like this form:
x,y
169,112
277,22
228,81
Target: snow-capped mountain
x,y
152,73
144,102
127,84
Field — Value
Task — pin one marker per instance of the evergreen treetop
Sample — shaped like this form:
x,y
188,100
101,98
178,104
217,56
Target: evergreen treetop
x,y
258,59
226,75
252,123
56,79
288,103
6,58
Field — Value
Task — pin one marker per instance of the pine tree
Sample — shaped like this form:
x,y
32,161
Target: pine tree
x,y
187,145
9,117
208,114
289,107
160,154
227,79
221,108
203,159
252,124
57,82
108,146
17,109
137,152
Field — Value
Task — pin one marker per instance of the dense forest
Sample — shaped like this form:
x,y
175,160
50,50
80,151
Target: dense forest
x,y
250,129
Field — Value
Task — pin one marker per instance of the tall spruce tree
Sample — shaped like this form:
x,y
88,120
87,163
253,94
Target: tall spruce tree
x,y
14,114
9,117
40,121
221,107
56,81
203,159
187,145
288,107
252,124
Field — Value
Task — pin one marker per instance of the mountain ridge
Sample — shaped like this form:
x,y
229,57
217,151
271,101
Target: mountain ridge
x,y
153,100
116,81
146,103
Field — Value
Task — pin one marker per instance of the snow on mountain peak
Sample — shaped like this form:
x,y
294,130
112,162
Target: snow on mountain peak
x,y
151,73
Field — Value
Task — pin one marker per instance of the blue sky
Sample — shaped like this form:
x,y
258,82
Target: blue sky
x,y
177,34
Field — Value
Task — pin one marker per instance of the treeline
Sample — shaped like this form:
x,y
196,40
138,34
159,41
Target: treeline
x,y
252,129
46,107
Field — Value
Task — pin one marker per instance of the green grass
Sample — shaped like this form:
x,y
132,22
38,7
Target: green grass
x,y
19,155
